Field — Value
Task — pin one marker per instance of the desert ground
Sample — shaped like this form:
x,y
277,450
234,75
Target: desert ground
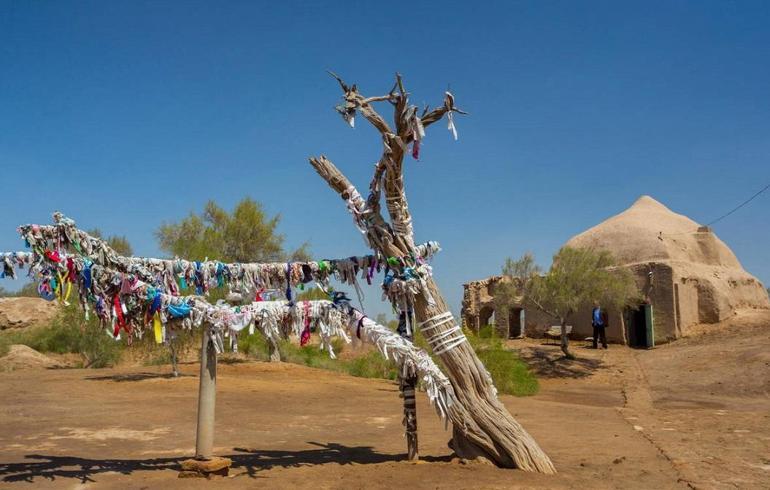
x,y
694,413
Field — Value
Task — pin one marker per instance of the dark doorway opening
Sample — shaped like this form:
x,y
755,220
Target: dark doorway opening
x,y
485,316
639,327
515,323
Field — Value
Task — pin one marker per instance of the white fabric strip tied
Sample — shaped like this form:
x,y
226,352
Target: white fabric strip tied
x,y
428,249
442,342
450,116
440,319
411,360
395,208
356,206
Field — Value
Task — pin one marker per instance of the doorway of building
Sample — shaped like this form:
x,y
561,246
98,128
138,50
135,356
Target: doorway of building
x,y
639,327
515,323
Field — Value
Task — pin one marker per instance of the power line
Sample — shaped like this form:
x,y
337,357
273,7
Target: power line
x,y
661,234
740,205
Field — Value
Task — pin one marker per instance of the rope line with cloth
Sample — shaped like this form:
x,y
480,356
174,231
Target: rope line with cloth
x,y
174,275
125,303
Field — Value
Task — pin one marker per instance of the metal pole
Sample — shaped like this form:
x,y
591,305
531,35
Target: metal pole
x,y
207,398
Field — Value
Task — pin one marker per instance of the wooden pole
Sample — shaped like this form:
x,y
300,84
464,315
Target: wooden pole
x,y
407,386
410,418
207,398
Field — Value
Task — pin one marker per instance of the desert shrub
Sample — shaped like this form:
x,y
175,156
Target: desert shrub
x,y
255,345
371,365
311,355
510,374
154,354
69,332
487,332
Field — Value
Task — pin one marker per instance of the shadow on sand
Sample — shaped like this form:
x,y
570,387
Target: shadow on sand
x,y
119,378
245,462
548,362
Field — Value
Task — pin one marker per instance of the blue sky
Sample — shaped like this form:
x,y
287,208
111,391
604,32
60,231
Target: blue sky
x,y
126,114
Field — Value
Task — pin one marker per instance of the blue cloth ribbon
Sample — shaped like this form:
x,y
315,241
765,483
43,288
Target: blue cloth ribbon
x,y
181,310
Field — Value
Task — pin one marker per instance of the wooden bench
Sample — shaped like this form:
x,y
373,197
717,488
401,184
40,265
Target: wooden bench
x,y
554,332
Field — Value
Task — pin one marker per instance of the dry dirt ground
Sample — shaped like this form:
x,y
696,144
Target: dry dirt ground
x,y
695,413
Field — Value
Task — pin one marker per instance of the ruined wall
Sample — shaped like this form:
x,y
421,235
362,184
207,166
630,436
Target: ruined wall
x,y
478,302
654,280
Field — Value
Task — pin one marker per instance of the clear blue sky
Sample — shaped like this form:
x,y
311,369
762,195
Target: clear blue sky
x,y
126,114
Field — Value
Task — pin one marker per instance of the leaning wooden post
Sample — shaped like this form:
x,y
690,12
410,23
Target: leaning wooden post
x,y
207,399
482,425
407,386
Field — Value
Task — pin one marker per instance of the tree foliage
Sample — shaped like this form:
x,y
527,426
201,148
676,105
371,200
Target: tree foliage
x,y
577,277
119,243
247,234
311,293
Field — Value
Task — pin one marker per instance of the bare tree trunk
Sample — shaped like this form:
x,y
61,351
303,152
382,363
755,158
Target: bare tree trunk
x,y
273,352
482,425
565,340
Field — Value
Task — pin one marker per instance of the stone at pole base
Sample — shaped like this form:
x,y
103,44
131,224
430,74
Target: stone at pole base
x,y
205,468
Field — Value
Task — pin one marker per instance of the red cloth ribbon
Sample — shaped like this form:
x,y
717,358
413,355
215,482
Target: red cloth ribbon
x,y
121,322
305,337
53,255
72,275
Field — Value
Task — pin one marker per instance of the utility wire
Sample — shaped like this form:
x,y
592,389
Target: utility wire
x,y
661,234
740,205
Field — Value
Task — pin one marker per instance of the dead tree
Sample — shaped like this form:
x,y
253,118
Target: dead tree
x,y
481,424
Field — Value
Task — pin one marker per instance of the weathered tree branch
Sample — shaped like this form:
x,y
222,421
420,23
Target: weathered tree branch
x,y
356,101
380,233
482,425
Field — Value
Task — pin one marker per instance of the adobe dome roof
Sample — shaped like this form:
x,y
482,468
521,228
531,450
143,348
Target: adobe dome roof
x,y
650,232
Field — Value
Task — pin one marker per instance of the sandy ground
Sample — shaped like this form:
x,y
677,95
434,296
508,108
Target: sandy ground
x,y
695,414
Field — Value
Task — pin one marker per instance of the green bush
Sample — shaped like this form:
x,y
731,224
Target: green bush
x,y
311,355
68,332
510,374
371,365
487,332
255,346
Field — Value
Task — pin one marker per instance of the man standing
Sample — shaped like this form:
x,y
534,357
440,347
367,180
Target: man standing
x,y
600,324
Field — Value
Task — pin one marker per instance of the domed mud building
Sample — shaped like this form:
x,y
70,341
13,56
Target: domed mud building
x,y
686,273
